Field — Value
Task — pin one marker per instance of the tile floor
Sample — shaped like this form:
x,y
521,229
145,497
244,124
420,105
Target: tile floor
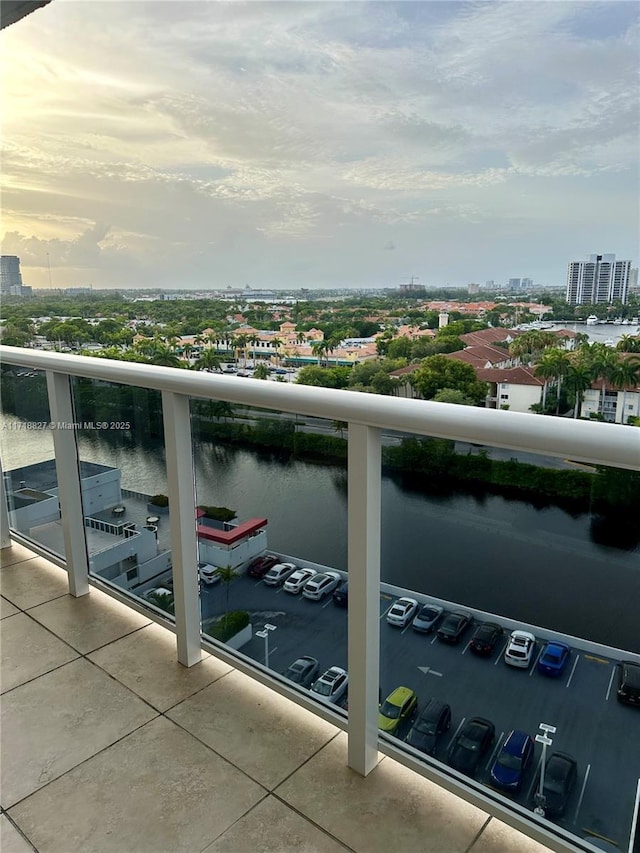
x,y
108,744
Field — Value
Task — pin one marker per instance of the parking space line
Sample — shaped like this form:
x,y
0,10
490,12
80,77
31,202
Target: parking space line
x,y
501,655
466,647
613,672
584,785
257,583
435,637
455,734
494,752
328,602
535,665
575,664
386,611
535,781
405,629
634,819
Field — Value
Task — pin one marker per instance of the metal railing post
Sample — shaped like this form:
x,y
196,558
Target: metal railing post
x,y
5,533
364,488
182,524
69,481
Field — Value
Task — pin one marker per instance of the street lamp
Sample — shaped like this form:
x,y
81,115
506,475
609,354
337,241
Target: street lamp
x,y
546,741
265,636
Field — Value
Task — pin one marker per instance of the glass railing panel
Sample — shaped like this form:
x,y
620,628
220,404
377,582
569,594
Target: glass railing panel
x,y
272,492
483,542
28,457
124,486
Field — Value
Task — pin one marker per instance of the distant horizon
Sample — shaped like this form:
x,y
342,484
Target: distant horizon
x,y
321,145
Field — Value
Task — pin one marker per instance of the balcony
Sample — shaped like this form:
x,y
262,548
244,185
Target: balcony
x,y
109,744
126,728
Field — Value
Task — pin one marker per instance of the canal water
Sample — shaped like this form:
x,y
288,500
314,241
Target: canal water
x,y
543,566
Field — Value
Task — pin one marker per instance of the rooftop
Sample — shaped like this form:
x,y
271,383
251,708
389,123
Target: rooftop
x,y
109,744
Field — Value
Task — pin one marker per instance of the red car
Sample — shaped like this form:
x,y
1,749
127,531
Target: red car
x,y
261,565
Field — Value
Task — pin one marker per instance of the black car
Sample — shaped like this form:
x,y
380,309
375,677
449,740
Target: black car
x,y
434,719
485,639
471,744
560,774
629,683
454,626
302,671
261,565
341,595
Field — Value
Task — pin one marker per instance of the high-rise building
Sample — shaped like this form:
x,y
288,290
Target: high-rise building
x,y
514,284
599,279
10,277
526,284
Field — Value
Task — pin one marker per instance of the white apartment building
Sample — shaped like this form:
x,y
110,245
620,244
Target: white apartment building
x,y
599,279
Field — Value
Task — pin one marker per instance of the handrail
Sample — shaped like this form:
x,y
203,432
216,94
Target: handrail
x,y
583,441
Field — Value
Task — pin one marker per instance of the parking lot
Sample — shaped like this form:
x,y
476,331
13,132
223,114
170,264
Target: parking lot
x,y
602,734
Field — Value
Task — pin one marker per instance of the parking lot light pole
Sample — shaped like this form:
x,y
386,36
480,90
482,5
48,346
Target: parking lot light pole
x,y
546,741
265,635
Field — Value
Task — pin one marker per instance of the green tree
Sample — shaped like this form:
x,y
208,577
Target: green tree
x,y
226,575
578,379
626,374
209,360
261,371
453,395
438,372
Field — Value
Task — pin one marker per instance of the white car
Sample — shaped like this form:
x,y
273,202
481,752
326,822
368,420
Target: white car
x,y
208,573
402,612
520,649
332,685
279,573
321,585
295,582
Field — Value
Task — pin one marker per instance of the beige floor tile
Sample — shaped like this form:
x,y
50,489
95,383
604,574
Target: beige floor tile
x,y
15,553
33,582
146,662
157,791
500,838
28,650
7,608
259,731
88,622
271,827
53,723
11,841
391,809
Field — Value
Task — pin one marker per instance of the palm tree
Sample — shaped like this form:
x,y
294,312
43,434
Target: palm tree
x,y
209,360
226,575
261,371
301,337
546,369
578,378
625,375
254,340
319,348
628,343
240,346
165,357
276,343
603,361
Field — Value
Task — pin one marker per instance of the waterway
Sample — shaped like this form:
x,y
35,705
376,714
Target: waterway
x,y
539,565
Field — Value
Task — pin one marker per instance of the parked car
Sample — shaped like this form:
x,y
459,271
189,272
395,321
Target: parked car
x,y
402,612
560,774
520,649
341,595
485,639
454,626
332,685
321,585
433,720
278,574
628,690
554,658
303,671
508,769
470,745
261,565
296,581
399,706
427,618
208,574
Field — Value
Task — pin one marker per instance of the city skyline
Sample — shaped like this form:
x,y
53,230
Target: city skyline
x,y
284,145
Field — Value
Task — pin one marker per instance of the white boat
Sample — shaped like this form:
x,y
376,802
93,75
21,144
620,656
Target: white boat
x,y
592,320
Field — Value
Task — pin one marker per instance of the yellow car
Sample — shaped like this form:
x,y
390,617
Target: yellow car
x,y
397,707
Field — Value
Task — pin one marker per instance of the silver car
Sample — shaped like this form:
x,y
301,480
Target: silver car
x,y
321,585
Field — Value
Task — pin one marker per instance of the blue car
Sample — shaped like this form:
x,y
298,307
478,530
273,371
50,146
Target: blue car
x,y
512,761
554,659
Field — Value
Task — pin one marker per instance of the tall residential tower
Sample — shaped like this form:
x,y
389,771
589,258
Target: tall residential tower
x,y
10,277
599,279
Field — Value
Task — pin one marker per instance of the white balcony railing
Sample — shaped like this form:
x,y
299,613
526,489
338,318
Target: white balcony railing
x,y
366,415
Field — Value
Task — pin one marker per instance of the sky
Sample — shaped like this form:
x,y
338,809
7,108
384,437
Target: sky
x,y
318,144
